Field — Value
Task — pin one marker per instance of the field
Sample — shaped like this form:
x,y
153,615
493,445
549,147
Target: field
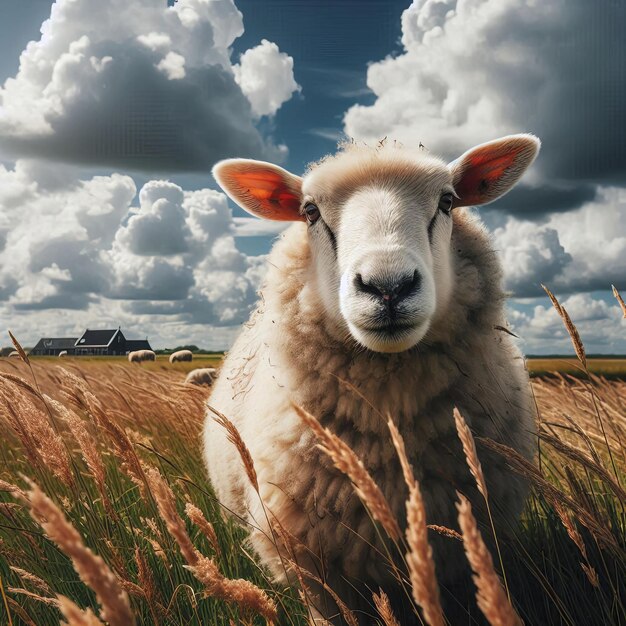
x,y
608,368
106,514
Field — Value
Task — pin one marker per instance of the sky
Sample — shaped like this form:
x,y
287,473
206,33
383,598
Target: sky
x,y
113,113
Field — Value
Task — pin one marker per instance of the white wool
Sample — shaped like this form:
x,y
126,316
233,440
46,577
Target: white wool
x,y
181,355
289,353
138,356
202,376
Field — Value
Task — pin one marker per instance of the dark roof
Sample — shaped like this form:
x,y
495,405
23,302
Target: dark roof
x,y
96,338
137,344
55,343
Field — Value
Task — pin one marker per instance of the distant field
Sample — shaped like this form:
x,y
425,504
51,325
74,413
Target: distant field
x,y
610,368
162,362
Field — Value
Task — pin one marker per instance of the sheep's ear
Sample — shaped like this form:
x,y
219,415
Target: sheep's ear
x,y
263,189
489,170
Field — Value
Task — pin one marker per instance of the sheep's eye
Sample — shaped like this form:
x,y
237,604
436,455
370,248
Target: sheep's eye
x,y
312,213
445,203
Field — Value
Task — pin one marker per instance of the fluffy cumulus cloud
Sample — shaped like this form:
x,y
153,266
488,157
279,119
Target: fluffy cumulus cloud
x,y
265,75
144,85
162,258
578,251
600,324
472,70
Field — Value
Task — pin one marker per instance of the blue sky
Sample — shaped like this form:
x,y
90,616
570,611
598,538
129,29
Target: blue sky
x,y
118,97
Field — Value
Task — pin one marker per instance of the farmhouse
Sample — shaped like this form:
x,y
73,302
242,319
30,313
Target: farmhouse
x,y
90,343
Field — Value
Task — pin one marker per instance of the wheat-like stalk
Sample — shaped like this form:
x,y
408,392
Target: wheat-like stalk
x,y
346,461
348,615
33,596
234,437
240,592
43,445
42,585
87,445
419,558
619,299
75,616
471,456
166,503
491,596
383,606
571,328
13,489
90,567
445,531
19,348
197,517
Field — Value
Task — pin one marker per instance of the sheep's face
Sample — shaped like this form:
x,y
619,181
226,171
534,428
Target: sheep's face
x,y
379,225
381,245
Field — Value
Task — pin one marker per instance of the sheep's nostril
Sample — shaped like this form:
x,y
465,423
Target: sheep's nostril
x,y
408,286
390,291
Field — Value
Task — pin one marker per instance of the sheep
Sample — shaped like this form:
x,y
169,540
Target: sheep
x,y
202,376
383,298
181,355
13,354
138,356
62,353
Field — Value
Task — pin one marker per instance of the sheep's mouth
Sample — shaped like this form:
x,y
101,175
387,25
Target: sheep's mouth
x,y
391,329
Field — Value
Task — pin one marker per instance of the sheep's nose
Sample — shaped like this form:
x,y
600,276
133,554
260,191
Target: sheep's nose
x,y
390,290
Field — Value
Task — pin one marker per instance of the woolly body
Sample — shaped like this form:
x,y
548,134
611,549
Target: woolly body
x,y
291,352
202,376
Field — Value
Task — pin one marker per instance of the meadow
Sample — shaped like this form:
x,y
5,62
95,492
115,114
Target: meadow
x,y
106,515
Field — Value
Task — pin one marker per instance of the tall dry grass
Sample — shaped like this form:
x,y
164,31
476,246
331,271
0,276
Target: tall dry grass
x,y
106,514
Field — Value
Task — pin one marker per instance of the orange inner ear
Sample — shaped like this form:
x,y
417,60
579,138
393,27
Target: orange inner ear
x,y
275,199
481,172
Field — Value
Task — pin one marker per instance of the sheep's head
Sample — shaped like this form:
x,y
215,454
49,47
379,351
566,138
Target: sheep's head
x,y
379,224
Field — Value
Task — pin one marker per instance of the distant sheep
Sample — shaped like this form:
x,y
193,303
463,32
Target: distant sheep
x,y
141,355
14,354
202,376
383,298
63,353
181,355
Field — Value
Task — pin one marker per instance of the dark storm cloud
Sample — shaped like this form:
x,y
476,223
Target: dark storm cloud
x,y
534,202
576,103
136,117
72,301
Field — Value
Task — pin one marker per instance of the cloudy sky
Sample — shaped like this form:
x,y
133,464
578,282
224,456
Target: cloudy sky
x,y
112,114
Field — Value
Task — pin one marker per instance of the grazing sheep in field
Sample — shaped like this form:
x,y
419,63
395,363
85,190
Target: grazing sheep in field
x,y
384,298
181,355
14,354
202,376
63,353
141,355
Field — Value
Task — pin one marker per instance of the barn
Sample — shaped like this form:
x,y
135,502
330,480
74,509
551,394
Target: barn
x,y
91,343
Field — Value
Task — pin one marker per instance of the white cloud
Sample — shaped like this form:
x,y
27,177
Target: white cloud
x,y
254,227
582,250
85,245
173,66
599,322
143,84
472,70
265,76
